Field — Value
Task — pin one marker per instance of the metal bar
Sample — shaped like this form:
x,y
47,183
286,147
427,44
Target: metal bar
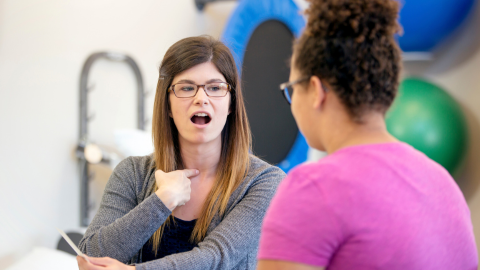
x,y
140,93
83,130
201,3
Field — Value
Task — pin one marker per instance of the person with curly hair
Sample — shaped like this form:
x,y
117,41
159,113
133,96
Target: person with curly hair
x,y
373,202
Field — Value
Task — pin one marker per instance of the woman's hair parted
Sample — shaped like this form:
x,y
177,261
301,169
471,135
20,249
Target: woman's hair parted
x,y
350,44
236,136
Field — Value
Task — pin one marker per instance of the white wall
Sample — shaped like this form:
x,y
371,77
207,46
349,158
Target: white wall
x,y
43,45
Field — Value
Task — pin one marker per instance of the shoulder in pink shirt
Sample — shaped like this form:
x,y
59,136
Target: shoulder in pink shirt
x,y
377,206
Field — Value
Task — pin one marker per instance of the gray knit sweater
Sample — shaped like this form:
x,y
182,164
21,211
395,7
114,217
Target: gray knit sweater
x,y
128,217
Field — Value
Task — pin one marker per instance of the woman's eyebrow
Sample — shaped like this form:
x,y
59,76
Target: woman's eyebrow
x,y
192,82
214,80
185,81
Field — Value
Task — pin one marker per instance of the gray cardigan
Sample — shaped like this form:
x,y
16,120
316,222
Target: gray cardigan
x,y
128,217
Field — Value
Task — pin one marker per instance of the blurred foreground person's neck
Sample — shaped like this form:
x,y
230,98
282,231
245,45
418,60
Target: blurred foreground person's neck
x,y
339,130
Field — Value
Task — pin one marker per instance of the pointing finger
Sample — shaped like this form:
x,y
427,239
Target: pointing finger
x,y
191,172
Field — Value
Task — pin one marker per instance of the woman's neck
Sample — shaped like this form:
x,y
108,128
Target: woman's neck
x,y
346,133
203,157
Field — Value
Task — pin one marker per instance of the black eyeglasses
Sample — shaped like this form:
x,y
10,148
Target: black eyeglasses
x,y
187,90
287,88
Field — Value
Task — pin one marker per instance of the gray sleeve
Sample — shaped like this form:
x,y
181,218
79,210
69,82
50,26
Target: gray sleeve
x,y
234,238
122,226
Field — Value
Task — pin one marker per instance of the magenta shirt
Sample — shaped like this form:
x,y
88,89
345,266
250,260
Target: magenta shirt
x,y
377,206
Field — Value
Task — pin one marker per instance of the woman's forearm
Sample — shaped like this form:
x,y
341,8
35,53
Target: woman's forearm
x,y
122,226
125,236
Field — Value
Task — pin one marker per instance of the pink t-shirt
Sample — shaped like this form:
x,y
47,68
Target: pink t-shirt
x,y
377,206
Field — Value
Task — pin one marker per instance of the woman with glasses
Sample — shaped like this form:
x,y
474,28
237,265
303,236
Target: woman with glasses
x,y
373,202
198,201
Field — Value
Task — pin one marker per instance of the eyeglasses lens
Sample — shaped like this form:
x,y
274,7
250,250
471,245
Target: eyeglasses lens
x,y
190,90
288,92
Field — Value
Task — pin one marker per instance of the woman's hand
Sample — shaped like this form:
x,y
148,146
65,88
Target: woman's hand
x,y
102,264
174,187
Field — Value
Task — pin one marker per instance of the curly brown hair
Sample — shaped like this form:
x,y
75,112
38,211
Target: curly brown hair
x,y
350,44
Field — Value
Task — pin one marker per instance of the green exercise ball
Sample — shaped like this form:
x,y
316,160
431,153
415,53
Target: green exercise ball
x,y
429,119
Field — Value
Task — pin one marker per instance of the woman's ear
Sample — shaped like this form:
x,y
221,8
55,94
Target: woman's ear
x,y
319,94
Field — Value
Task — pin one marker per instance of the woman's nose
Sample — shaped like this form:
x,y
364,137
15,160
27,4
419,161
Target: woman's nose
x,y
201,96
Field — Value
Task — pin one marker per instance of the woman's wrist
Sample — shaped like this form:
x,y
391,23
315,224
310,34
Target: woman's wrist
x,y
167,199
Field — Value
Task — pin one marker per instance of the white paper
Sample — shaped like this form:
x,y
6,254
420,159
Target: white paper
x,y
70,242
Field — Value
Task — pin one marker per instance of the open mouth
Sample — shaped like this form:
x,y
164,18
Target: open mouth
x,y
200,119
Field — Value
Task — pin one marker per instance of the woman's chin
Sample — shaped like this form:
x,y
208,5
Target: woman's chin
x,y
201,138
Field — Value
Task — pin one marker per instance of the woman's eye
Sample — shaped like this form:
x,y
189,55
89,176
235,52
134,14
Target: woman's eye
x,y
214,87
187,88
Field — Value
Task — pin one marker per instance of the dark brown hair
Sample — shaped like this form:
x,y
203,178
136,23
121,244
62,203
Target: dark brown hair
x,y
236,136
350,44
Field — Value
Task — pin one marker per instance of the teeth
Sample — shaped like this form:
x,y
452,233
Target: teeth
x,y
201,114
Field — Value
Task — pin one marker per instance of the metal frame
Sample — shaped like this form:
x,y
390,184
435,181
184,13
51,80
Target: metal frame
x,y
201,3
84,118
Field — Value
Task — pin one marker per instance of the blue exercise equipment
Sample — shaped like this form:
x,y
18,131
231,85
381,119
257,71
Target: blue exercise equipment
x,y
426,23
245,19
